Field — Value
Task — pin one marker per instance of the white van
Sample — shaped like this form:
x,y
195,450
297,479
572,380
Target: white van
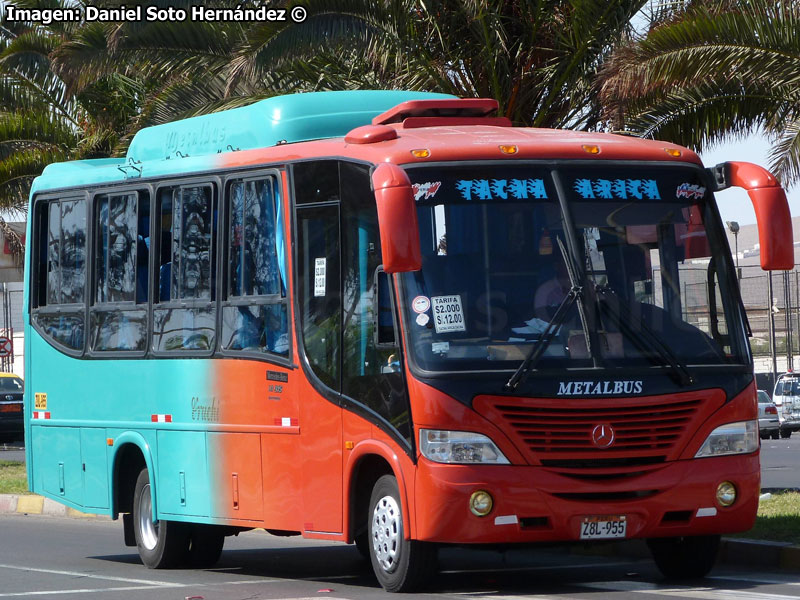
x,y
787,399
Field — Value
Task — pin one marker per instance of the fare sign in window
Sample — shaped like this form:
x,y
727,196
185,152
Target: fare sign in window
x,y
320,272
448,314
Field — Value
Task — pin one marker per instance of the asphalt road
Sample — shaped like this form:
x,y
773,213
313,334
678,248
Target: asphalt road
x,y
70,559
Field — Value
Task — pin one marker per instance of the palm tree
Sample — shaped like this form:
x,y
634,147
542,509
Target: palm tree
x,y
716,69
537,58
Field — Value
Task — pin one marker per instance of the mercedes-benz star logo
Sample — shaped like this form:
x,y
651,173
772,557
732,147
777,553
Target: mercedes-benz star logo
x,y
603,435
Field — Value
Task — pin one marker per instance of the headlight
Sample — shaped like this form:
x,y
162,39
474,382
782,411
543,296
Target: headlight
x,y
459,447
733,438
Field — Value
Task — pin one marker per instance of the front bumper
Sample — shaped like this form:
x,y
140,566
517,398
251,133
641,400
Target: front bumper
x,y
535,504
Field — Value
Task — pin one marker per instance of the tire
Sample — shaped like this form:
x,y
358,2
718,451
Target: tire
x,y
205,545
688,557
362,545
400,565
786,434
775,434
161,544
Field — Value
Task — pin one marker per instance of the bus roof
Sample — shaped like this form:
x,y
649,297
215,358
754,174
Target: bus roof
x,y
315,124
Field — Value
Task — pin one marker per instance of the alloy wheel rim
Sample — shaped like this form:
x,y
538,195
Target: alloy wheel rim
x,y
148,528
386,533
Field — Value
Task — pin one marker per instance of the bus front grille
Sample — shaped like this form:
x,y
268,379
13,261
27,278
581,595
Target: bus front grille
x,y
611,436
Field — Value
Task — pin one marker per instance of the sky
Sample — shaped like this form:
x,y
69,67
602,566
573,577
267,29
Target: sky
x,y
734,204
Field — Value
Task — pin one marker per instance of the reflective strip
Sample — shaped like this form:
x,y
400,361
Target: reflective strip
x,y
287,422
161,418
38,414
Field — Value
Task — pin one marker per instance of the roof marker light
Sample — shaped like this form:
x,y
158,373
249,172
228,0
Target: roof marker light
x,y
591,148
421,153
508,149
673,152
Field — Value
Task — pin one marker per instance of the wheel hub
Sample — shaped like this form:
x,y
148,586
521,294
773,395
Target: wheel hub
x,y
148,528
386,533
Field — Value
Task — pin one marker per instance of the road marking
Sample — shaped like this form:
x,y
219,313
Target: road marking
x,y
81,591
704,593
92,576
755,579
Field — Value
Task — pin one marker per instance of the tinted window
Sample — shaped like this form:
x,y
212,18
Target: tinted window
x,y
255,314
60,271
371,372
188,220
118,318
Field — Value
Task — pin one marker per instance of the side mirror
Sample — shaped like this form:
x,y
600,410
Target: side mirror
x,y
397,219
772,210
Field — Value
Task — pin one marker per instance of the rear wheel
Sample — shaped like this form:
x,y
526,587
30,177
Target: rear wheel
x,y
775,434
685,557
205,545
785,433
400,565
161,544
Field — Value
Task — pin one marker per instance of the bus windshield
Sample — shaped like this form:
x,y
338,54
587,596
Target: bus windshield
x,y
650,282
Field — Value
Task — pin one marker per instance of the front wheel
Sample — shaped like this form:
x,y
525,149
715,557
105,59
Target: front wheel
x,y
400,565
161,544
685,557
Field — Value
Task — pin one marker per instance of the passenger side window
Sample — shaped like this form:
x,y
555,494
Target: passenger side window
x,y
254,311
60,226
118,317
184,317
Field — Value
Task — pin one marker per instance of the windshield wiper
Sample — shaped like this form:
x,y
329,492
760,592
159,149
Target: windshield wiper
x,y
574,294
544,341
646,339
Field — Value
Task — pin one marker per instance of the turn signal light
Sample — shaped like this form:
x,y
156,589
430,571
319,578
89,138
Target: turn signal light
x,y
673,152
421,153
591,148
508,149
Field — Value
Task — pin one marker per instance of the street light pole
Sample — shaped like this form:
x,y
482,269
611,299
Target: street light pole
x,y
733,226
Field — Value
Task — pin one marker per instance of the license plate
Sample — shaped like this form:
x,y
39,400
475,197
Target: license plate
x,y
604,528
10,407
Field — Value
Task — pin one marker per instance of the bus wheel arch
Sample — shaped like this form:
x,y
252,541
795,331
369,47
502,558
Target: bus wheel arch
x,y
364,474
131,456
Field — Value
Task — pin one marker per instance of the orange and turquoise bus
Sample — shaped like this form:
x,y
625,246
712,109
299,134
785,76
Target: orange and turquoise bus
x,y
394,319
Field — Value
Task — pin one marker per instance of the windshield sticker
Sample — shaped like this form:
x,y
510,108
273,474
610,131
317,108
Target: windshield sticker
x,y
617,189
428,189
422,319
690,191
440,347
319,276
421,304
447,314
501,189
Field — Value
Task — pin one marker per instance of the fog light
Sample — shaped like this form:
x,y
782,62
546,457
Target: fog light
x,y
480,503
726,493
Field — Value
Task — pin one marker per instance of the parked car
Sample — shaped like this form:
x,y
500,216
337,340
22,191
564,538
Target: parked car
x,y
11,421
787,399
768,423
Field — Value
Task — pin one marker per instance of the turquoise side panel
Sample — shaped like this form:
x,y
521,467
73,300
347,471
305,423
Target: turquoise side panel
x,y
183,474
118,396
292,118
95,468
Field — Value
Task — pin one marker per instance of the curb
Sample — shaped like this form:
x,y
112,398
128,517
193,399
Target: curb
x,y
32,504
